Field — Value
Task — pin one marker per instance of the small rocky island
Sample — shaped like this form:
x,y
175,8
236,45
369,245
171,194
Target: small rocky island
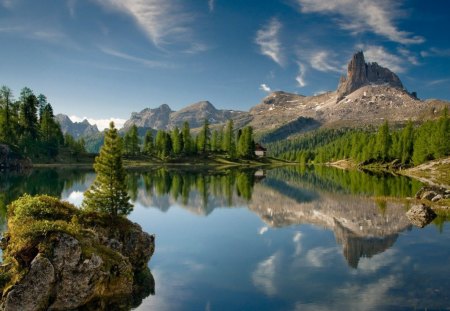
x,y
58,257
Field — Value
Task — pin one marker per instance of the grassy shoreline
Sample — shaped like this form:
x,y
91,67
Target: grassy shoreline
x,y
217,162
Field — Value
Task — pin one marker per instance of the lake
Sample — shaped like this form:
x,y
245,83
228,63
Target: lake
x,y
281,239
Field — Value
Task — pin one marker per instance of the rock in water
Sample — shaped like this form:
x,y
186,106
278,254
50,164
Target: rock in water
x,y
34,290
421,215
58,257
360,73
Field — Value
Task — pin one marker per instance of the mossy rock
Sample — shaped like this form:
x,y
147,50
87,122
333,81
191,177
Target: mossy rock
x,y
92,253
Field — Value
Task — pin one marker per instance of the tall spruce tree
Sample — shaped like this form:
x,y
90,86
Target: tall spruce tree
x,y
148,143
187,138
108,193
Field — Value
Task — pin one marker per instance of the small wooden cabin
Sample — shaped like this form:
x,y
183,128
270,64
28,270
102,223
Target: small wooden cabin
x,y
260,151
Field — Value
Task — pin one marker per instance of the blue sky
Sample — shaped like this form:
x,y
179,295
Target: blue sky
x,y
104,59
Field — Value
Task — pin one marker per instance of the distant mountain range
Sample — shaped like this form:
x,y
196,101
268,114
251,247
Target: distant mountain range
x,y
165,119
76,129
367,95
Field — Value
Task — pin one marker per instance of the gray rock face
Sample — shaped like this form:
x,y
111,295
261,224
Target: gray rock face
x,y
360,73
420,215
33,292
76,129
157,118
163,118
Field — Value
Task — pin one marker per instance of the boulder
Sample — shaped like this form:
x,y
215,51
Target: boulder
x,y
33,291
420,215
432,193
69,259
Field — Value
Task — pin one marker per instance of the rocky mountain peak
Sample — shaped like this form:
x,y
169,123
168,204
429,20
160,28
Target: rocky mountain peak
x,y
360,73
76,129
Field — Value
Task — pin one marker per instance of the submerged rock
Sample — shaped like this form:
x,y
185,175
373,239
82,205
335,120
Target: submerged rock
x,y
421,215
61,258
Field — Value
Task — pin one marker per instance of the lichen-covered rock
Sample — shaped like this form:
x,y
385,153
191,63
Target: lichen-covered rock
x,y
420,215
61,258
33,291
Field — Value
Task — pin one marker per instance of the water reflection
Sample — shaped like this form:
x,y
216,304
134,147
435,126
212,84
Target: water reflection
x,y
284,239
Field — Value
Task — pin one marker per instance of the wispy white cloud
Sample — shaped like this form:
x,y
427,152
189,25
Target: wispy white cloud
x,y
323,61
319,256
378,54
435,52
377,16
301,75
409,56
297,240
437,82
264,229
7,3
142,61
264,87
163,21
71,4
264,275
101,123
211,5
197,48
269,42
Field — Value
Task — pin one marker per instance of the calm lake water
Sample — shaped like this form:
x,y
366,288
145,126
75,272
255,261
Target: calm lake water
x,y
284,239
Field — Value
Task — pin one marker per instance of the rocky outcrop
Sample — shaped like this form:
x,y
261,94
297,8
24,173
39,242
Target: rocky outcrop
x,y
421,215
163,118
157,118
10,160
76,129
433,193
60,258
360,73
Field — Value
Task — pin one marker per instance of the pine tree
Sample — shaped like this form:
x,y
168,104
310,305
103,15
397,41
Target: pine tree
x,y
108,193
134,140
187,139
177,142
148,143
7,129
228,143
204,138
383,142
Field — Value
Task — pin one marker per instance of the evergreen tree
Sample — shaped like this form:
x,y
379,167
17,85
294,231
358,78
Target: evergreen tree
x,y
7,116
407,145
228,144
148,143
108,193
51,134
383,142
134,140
28,114
203,144
214,141
187,139
177,141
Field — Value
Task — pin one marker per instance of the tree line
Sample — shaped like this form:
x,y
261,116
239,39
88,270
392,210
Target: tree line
x,y
183,143
28,124
410,145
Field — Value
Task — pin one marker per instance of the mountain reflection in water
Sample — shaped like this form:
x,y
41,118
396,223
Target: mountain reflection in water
x,y
206,221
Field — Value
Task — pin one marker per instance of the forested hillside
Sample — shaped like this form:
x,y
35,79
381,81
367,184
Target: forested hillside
x,y
29,127
410,145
